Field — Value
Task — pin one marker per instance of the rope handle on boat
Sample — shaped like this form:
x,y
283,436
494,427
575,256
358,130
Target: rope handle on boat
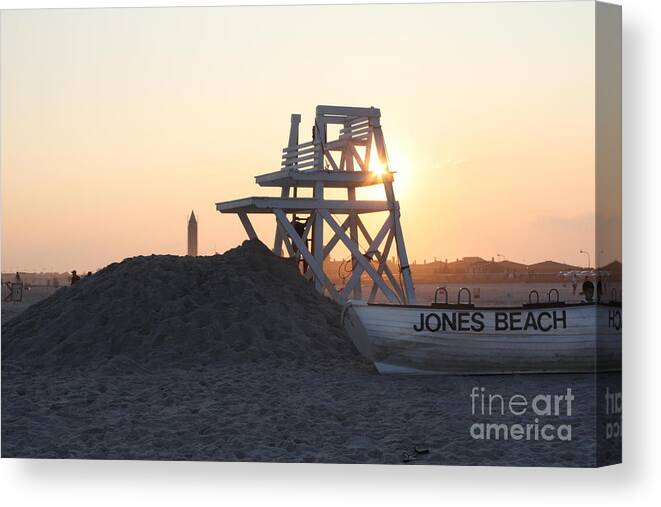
x,y
440,289
470,296
536,295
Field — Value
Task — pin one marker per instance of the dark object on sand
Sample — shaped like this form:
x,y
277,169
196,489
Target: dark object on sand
x,y
421,450
15,294
408,458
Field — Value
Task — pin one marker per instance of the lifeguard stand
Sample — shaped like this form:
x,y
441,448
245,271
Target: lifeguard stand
x,y
344,163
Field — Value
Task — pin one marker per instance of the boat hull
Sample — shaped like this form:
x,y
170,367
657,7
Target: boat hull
x,y
456,340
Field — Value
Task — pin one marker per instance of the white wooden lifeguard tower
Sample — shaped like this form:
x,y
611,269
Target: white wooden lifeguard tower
x,y
342,163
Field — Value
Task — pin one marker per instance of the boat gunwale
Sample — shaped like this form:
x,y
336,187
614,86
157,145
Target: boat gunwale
x,y
472,307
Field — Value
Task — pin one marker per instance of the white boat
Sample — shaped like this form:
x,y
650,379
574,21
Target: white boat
x,y
464,339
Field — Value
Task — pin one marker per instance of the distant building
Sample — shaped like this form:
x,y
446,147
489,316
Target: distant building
x,y
192,235
464,265
551,267
614,269
502,267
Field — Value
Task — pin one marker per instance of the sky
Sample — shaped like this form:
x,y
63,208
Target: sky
x,y
116,123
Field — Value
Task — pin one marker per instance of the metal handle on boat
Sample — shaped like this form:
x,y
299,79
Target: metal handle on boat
x,y
444,291
530,296
470,296
557,296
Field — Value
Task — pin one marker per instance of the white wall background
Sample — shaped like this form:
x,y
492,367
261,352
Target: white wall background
x,y
636,482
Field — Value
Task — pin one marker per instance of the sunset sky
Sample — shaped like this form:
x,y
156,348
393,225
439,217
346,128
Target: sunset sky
x,y
117,122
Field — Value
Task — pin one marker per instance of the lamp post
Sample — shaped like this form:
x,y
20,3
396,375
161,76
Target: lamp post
x,y
588,254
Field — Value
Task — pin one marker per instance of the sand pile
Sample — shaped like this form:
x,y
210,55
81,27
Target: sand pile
x,y
246,305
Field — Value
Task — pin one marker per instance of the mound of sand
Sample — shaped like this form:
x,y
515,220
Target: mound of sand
x,y
246,305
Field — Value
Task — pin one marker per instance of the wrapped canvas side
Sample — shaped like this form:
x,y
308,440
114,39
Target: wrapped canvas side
x,y
608,221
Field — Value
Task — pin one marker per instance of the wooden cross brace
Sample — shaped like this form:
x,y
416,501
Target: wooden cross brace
x,y
360,258
309,258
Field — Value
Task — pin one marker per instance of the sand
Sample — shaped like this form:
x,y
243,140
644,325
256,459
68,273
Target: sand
x,y
244,306
236,357
281,414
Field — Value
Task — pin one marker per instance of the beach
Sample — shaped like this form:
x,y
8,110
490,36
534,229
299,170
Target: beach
x,y
237,358
276,413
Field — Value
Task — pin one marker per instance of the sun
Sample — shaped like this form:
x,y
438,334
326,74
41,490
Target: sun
x,y
397,164
376,167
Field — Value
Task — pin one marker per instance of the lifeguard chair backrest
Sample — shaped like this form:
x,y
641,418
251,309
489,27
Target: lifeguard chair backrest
x,y
359,127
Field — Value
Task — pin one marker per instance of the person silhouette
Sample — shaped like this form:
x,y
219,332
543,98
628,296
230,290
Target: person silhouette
x,y
299,226
588,291
74,277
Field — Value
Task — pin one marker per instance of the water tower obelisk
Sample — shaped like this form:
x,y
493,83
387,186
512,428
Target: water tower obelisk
x,y
192,234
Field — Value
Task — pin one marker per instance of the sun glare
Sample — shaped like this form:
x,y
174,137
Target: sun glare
x,y
376,167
